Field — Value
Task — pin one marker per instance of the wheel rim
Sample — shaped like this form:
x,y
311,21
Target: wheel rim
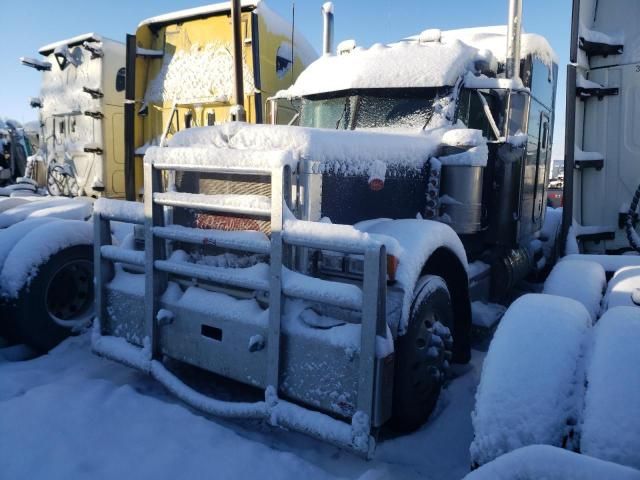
x,y
69,294
431,347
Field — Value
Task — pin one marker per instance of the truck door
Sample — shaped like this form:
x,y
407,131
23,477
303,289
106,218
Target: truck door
x,y
542,159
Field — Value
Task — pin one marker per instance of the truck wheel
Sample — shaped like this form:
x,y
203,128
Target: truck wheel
x,y
58,300
422,354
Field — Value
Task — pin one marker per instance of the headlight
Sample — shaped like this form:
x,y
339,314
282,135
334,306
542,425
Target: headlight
x,y
332,262
353,265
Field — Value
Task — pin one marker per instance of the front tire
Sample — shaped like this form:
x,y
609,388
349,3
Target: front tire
x,y
422,354
58,300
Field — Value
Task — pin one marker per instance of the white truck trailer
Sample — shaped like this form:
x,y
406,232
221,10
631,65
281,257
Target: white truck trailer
x,y
576,345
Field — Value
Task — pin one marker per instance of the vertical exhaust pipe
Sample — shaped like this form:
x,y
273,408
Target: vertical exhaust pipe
x,y
327,31
514,30
238,113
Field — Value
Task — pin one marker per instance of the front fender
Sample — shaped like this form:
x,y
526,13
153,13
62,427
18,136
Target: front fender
x,y
426,246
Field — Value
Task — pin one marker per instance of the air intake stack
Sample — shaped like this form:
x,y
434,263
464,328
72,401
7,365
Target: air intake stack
x,y
514,30
327,31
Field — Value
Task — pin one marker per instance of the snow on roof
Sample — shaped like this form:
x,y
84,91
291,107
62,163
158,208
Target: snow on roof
x,y
274,23
417,61
85,37
205,10
494,39
401,65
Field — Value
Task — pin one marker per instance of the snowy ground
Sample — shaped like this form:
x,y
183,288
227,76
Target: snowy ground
x,y
82,416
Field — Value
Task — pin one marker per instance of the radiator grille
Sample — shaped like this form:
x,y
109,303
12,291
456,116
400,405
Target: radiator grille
x,y
220,184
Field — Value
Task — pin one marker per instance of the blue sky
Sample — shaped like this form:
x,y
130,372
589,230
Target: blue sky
x,y
29,24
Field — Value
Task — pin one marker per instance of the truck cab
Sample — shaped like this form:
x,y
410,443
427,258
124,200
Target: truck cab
x,y
497,205
183,66
80,107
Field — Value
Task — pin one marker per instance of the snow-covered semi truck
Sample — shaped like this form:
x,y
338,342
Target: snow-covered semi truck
x,y
15,148
45,239
99,113
184,73
333,273
81,116
577,344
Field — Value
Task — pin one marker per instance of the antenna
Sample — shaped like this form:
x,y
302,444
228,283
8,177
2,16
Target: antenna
x,y
293,29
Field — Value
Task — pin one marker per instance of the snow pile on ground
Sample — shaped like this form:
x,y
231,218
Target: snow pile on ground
x,y
537,462
118,423
611,422
205,72
529,388
563,281
108,429
35,248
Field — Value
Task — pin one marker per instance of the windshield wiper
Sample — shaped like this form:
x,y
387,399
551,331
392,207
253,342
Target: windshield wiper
x,y
345,112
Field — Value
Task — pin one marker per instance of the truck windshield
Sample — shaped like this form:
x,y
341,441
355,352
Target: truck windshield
x,y
371,111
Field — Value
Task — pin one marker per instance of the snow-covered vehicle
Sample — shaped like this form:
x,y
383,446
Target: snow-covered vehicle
x,y
98,109
81,114
15,148
576,384
186,61
326,264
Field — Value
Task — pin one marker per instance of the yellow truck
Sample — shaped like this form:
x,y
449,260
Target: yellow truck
x,y
183,64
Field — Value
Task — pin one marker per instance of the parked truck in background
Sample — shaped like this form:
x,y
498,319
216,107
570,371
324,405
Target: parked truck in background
x,y
81,116
184,72
100,108
334,276
15,148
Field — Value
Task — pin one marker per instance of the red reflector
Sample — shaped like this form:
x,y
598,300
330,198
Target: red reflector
x,y
376,184
392,267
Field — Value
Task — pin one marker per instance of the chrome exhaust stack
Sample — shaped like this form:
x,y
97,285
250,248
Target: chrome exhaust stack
x,y
238,112
327,31
514,31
